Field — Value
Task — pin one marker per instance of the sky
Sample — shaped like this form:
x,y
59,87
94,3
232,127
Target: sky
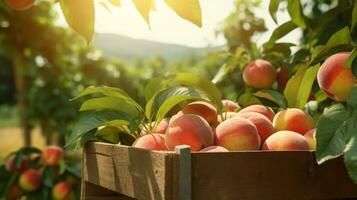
x,y
167,27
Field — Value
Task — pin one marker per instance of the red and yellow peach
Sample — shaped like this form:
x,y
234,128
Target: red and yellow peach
x,y
264,126
203,109
52,155
62,191
259,74
153,141
230,106
214,149
20,4
11,164
30,180
285,141
310,136
293,119
266,111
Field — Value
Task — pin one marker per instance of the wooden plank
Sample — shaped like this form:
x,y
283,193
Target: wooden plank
x,y
95,192
184,183
267,175
136,173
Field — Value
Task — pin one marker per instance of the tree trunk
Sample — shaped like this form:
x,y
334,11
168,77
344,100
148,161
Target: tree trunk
x,y
20,82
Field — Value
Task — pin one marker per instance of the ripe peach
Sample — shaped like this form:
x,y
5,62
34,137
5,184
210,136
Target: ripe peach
x,y
11,164
20,4
162,126
203,109
62,191
264,126
285,141
230,106
335,80
266,111
259,74
14,193
191,130
52,155
310,136
237,134
214,149
30,180
293,119
153,141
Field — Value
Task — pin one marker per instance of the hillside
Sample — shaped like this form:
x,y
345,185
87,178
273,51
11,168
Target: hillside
x,y
114,45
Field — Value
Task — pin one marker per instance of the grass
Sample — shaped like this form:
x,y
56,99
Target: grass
x,y
11,140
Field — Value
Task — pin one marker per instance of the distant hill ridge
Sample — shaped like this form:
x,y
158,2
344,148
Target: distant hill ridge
x,y
114,45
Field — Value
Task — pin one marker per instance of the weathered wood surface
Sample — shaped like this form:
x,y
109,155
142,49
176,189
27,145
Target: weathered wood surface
x,y
142,174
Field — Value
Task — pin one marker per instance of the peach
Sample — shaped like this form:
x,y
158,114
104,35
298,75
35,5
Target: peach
x,y
62,191
20,4
293,119
310,136
11,164
230,106
191,130
30,180
214,149
286,141
52,155
237,134
153,141
203,109
259,74
334,79
264,126
162,126
14,193
282,77
266,111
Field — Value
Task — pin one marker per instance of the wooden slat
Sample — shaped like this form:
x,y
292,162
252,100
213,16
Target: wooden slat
x,y
137,173
184,174
95,192
268,175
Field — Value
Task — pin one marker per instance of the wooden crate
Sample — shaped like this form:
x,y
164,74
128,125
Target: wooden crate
x,y
121,172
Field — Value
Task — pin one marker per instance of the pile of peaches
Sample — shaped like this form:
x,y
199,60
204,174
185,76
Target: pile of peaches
x,y
30,177
255,127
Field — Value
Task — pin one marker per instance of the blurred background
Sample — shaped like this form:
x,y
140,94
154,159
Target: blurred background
x,y
43,63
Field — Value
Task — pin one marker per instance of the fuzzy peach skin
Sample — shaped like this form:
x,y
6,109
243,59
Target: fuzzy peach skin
x,y
237,134
62,191
30,180
190,130
230,106
153,141
162,126
310,136
259,74
293,119
286,141
264,126
266,111
335,80
20,4
214,149
203,109
11,164
52,155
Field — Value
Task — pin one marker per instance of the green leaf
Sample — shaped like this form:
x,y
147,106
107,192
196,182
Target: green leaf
x,y
279,32
331,128
354,15
350,157
306,85
273,8
48,175
203,85
293,85
126,139
342,36
187,9
328,51
111,103
144,7
154,86
296,14
79,15
273,96
320,96
109,134
352,62
155,103
90,121
352,98
115,2
119,124
171,103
